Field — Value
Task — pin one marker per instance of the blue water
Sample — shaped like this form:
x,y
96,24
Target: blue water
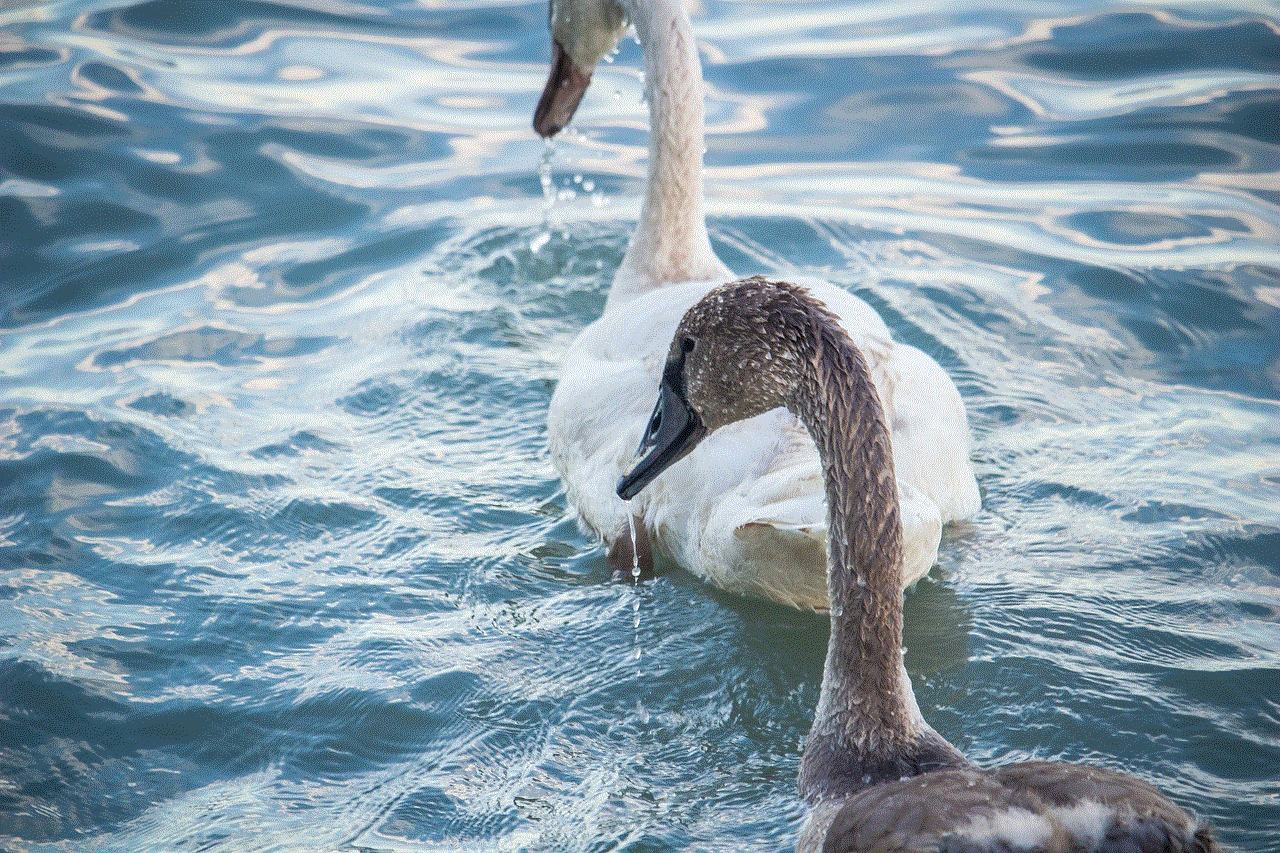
x,y
286,566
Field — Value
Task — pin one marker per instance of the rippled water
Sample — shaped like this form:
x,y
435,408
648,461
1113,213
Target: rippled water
x,y
285,565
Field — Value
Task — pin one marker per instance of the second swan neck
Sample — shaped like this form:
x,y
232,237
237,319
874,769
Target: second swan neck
x,y
670,244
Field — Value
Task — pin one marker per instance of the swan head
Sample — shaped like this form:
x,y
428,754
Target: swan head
x,y
583,32
739,352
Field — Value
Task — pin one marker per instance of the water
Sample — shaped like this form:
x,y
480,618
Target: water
x,y
286,566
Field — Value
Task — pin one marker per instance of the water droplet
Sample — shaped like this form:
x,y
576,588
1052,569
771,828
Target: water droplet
x,y
635,577
544,176
635,548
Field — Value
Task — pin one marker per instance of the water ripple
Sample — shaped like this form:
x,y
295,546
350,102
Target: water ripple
x,y
284,560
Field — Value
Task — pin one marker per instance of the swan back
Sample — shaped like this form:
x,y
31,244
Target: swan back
x,y
1031,807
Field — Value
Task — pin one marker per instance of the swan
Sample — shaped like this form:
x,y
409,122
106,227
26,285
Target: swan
x,y
876,776
746,510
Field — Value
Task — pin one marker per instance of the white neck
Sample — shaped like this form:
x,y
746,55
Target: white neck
x,y
670,244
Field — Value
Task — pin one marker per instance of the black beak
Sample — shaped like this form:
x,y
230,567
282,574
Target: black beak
x,y
560,97
674,429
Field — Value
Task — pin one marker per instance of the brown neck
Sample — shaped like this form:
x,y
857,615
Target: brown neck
x,y
867,726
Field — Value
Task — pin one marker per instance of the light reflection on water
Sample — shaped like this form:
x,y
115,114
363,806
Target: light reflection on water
x,y
286,563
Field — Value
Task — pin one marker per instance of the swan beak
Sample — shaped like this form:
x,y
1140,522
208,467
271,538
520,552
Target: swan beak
x,y
674,430
561,96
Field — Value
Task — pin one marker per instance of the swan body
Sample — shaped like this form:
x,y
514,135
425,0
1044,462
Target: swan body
x,y
746,511
876,776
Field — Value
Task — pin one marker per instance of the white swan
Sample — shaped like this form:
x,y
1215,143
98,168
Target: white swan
x,y
746,510
877,777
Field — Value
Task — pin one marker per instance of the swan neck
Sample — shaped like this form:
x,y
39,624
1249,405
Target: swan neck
x,y
867,714
670,244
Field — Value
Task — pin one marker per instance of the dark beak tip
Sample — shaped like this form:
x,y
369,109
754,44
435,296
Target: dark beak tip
x,y
545,129
632,480
565,86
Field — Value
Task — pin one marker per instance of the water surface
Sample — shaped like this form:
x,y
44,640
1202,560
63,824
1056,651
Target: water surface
x,y
286,566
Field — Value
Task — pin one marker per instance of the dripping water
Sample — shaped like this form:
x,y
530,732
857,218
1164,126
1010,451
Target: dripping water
x,y
544,176
635,548
548,197
635,582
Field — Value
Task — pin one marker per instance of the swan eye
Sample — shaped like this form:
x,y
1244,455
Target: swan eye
x,y
655,422
687,345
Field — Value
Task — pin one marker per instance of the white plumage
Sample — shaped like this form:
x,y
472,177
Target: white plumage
x,y
746,510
